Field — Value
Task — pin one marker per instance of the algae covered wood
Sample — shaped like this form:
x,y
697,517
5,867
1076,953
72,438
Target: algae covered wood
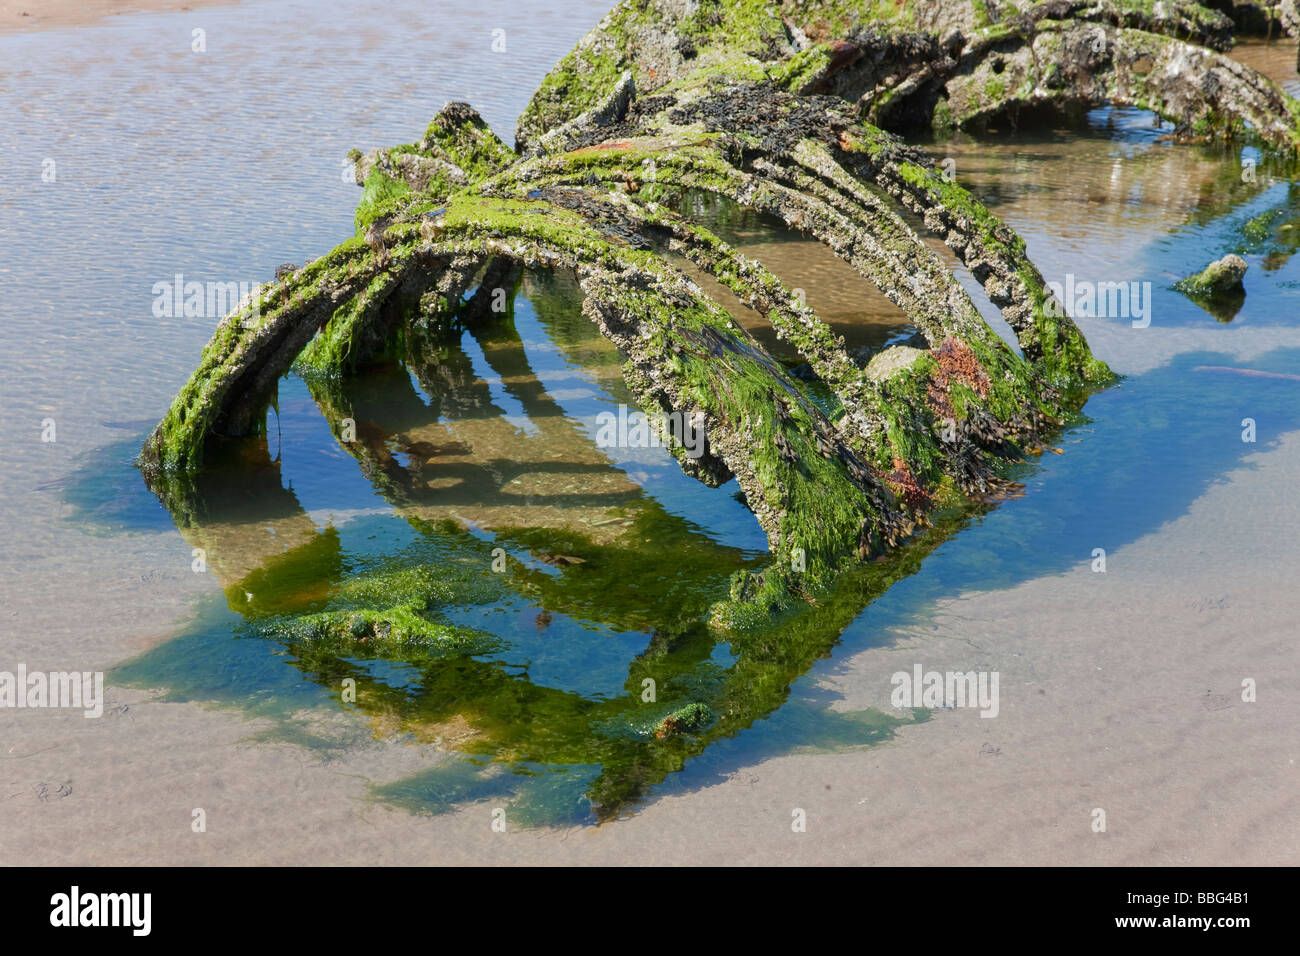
x,y
793,110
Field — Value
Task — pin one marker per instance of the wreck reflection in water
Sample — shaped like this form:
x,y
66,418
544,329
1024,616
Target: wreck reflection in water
x,y
439,545
545,612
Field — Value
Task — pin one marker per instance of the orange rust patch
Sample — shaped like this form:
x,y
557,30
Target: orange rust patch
x,y
612,144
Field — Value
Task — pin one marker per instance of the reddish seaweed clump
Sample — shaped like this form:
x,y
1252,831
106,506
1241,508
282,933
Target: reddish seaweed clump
x,y
958,364
908,489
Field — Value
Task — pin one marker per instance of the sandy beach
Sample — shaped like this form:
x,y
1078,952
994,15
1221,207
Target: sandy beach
x,y
29,15
1120,691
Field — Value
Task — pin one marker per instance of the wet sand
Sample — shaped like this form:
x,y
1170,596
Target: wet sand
x,y
18,16
1119,691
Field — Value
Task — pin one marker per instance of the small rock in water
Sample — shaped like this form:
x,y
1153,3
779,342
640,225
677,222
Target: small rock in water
x,y
1218,278
1218,288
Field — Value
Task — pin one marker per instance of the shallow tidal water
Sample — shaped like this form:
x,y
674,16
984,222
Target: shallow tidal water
x,y
224,166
